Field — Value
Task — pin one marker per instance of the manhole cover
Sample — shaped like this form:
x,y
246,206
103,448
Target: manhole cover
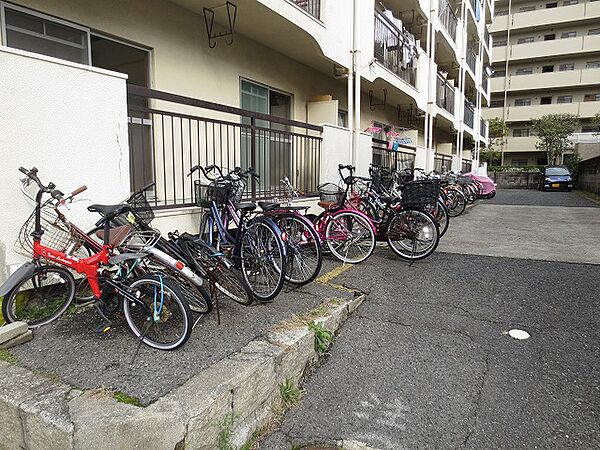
x,y
519,334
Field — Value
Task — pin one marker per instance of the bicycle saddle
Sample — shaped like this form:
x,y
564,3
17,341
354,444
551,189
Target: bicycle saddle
x,y
110,211
328,205
246,206
268,206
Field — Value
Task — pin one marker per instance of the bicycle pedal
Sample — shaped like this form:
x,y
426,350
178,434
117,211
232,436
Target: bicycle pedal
x,y
104,328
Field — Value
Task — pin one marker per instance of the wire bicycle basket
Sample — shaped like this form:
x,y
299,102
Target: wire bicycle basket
x,y
220,192
330,192
420,192
140,207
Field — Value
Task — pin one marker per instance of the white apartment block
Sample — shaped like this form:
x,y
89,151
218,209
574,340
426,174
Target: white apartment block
x,y
546,60
117,94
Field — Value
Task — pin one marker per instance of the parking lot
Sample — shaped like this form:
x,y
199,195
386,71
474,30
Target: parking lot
x,y
426,362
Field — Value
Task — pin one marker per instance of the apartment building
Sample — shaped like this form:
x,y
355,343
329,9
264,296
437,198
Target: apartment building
x,y
546,60
139,91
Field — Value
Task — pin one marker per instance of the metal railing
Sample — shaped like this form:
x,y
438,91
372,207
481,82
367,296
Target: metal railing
x,y
471,57
466,165
469,115
169,134
388,49
486,38
483,128
383,156
442,163
448,18
484,81
445,95
313,7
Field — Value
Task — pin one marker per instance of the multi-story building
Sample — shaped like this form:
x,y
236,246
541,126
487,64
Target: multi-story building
x,y
291,87
546,60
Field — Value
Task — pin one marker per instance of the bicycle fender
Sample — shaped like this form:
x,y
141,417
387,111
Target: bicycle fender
x,y
275,227
25,271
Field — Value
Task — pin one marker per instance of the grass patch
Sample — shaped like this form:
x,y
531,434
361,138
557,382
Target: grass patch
x,y
322,336
8,357
225,432
290,393
589,195
128,399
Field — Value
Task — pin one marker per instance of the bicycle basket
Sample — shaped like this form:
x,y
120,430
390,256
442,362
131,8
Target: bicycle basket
x,y
140,208
330,192
205,194
58,234
421,192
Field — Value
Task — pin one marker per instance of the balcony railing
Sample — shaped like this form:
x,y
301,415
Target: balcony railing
x,y
388,49
469,116
445,95
394,160
471,58
466,166
165,143
448,18
484,81
482,128
442,163
486,37
313,7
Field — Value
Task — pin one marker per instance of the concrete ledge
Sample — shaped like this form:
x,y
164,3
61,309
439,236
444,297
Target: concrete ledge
x,y
241,390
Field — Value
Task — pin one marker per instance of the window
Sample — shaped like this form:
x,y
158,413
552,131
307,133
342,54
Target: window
x,y
546,69
592,65
525,71
591,98
551,5
521,132
545,100
570,2
593,31
566,67
519,162
502,12
39,33
498,73
568,34
564,99
526,8
549,37
525,40
522,102
496,103
542,161
342,118
499,43
589,129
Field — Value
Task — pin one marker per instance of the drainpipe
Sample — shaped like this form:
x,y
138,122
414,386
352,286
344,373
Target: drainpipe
x,y
351,93
506,83
431,54
356,53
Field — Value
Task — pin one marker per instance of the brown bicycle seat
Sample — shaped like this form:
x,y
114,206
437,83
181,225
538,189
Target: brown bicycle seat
x,y
115,235
328,205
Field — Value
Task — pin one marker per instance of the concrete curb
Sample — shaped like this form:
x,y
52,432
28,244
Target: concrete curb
x,y
232,397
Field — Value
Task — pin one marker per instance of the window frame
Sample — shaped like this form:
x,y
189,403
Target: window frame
x,y
528,71
526,40
596,97
570,34
524,98
546,97
570,2
594,65
560,69
521,134
559,97
593,32
46,17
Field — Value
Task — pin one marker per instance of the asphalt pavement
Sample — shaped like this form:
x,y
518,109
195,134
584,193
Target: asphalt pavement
x,y
427,362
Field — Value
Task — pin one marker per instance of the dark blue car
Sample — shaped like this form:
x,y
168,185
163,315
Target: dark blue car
x,y
555,178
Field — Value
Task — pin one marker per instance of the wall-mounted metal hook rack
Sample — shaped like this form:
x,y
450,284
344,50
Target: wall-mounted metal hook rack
x,y
373,105
209,20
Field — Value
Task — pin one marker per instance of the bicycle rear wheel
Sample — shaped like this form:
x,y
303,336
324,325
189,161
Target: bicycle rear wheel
x,y
350,237
263,260
304,249
458,203
41,298
159,316
413,234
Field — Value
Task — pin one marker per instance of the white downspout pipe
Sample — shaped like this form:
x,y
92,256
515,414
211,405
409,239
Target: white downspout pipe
x,y
357,63
350,95
430,55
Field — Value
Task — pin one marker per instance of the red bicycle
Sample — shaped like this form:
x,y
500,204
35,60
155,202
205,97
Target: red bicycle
x,y
38,293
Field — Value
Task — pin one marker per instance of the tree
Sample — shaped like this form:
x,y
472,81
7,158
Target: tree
x,y
553,131
596,123
498,131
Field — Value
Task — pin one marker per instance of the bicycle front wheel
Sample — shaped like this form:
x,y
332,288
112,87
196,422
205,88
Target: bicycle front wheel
x,y
159,316
350,237
263,259
304,249
41,298
413,234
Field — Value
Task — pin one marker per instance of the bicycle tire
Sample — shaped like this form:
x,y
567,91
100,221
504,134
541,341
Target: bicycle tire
x,y
262,251
10,303
146,286
337,220
440,214
458,202
224,277
303,245
406,227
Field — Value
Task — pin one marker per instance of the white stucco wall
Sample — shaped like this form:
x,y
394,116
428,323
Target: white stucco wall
x,y
69,121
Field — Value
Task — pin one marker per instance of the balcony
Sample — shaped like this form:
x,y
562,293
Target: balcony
x,y
548,80
313,7
520,144
448,18
526,113
486,38
469,115
548,16
485,82
444,95
471,58
544,49
388,49
483,128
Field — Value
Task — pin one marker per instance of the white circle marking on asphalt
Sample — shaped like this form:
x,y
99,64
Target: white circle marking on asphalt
x,y
519,334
